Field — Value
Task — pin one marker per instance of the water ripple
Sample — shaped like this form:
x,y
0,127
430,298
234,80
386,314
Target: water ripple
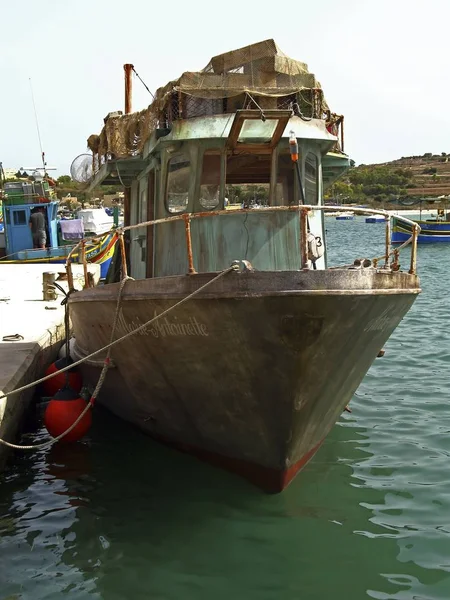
x,y
122,517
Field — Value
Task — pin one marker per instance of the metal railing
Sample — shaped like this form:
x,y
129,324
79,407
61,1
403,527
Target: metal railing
x,y
303,210
81,247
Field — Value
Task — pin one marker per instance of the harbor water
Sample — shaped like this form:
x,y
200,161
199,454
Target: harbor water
x,y
119,516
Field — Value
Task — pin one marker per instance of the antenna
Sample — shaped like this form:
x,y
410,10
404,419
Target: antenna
x,y
44,164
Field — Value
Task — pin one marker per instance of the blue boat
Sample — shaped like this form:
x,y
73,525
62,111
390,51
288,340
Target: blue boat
x,y
345,217
20,199
432,231
375,219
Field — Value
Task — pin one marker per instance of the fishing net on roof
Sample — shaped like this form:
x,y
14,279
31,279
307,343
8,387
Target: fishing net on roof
x,y
257,74
258,68
124,135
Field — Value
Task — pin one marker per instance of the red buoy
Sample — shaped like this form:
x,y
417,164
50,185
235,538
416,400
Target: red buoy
x,y
62,411
51,386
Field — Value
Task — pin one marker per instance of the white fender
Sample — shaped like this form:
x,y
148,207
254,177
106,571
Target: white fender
x,y
316,247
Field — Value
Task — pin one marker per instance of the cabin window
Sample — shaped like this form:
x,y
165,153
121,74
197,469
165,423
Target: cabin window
x,y
210,181
20,217
248,179
143,207
255,130
258,127
178,180
311,179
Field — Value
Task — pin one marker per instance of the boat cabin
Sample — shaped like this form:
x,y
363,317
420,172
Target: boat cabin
x,y
20,200
220,141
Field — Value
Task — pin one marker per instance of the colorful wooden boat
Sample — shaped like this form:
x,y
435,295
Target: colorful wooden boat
x,y
20,198
99,251
252,373
432,231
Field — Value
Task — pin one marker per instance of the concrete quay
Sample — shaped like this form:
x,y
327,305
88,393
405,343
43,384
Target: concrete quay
x,y
31,334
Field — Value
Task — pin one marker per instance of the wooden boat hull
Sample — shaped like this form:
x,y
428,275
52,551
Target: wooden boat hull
x,y
432,232
101,252
253,373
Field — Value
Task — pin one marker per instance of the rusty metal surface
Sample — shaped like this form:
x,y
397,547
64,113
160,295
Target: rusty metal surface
x,y
270,240
172,258
290,208
219,127
123,254
387,242
258,377
303,239
415,234
356,281
187,227
128,69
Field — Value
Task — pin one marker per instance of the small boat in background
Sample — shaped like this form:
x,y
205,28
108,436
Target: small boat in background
x,y
435,230
375,219
345,216
21,198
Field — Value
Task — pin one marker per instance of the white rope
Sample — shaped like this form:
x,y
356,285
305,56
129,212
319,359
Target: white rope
x,y
106,362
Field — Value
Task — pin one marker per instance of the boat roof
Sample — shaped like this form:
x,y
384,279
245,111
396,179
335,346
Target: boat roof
x,y
260,72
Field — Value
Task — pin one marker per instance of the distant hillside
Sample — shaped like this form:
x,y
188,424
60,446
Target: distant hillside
x,y
407,178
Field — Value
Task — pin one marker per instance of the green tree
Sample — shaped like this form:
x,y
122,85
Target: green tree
x,y
64,180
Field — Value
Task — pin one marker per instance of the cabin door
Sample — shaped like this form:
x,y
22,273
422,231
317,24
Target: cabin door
x,y
139,235
18,234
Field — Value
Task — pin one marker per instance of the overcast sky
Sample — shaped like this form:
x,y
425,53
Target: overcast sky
x,y
382,63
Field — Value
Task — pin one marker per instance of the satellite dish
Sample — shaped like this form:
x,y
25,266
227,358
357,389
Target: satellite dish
x,y
81,168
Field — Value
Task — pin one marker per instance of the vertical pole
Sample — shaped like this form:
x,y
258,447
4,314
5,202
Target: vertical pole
x,y
388,241
128,87
415,233
342,133
123,255
128,68
304,237
187,228
300,183
69,274
394,265
83,258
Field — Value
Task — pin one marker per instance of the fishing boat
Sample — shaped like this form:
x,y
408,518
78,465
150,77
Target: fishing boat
x,y
20,199
248,346
345,216
433,230
375,219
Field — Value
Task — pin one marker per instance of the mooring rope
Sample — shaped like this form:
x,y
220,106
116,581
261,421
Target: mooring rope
x,y
107,360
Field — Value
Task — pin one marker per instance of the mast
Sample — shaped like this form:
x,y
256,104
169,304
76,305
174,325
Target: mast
x,y
128,87
44,164
128,68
